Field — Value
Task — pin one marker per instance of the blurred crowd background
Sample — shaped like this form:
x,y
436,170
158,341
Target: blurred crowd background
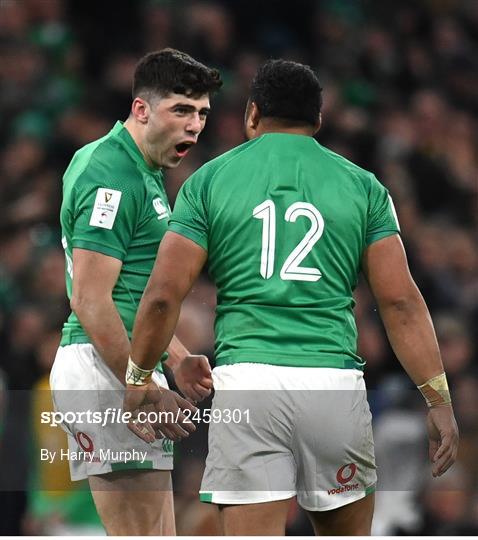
x,y
400,98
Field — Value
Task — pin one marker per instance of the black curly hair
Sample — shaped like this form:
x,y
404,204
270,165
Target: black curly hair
x,y
170,71
287,90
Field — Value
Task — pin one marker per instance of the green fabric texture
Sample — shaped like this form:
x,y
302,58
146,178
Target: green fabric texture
x,y
285,222
114,204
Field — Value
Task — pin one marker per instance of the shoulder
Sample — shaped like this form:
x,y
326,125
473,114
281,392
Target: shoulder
x,y
211,169
357,178
102,163
345,165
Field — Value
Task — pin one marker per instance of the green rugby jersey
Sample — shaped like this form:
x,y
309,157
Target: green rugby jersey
x,y
285,222
115,204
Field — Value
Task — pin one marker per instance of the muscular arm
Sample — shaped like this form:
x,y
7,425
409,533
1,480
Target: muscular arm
x,y
177,266
94,277
402,308
411,334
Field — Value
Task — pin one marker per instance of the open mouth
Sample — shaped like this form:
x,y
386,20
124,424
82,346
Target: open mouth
x,y
182,148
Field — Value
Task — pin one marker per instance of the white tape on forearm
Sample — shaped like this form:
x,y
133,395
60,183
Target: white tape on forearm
x,y
435,391
137,376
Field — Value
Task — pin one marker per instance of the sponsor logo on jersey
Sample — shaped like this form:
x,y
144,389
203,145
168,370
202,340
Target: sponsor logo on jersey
x,y
105,208
103,217
85,442
344,475
167,446
161,209
344,489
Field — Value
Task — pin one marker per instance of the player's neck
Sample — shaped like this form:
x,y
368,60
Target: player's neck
x,y
135,133
272,126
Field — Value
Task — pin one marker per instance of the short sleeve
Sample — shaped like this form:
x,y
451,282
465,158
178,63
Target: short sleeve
x,y
382,218
105,214
190,217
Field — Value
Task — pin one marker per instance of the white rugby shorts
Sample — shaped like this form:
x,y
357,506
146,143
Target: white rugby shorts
x,y
308,432
80,381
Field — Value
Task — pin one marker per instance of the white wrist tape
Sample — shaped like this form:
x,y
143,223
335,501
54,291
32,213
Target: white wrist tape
x,y
435,391
137,376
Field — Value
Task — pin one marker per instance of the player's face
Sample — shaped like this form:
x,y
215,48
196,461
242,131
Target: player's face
x,y
173,127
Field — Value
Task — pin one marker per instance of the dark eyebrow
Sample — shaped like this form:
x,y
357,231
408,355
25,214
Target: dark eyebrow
x,y
191,108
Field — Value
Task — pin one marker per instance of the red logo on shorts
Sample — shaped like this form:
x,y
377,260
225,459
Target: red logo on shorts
x,y
346,473
84,441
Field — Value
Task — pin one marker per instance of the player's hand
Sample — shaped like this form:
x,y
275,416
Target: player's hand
x,y
193,377
443,438
175,424
134,399
168,405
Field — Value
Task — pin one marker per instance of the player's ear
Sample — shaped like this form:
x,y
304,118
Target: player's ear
x,y
140,110
254,115
318,124
251,119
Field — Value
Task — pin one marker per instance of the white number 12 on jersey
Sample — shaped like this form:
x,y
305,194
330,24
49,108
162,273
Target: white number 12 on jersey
x,y
290,269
